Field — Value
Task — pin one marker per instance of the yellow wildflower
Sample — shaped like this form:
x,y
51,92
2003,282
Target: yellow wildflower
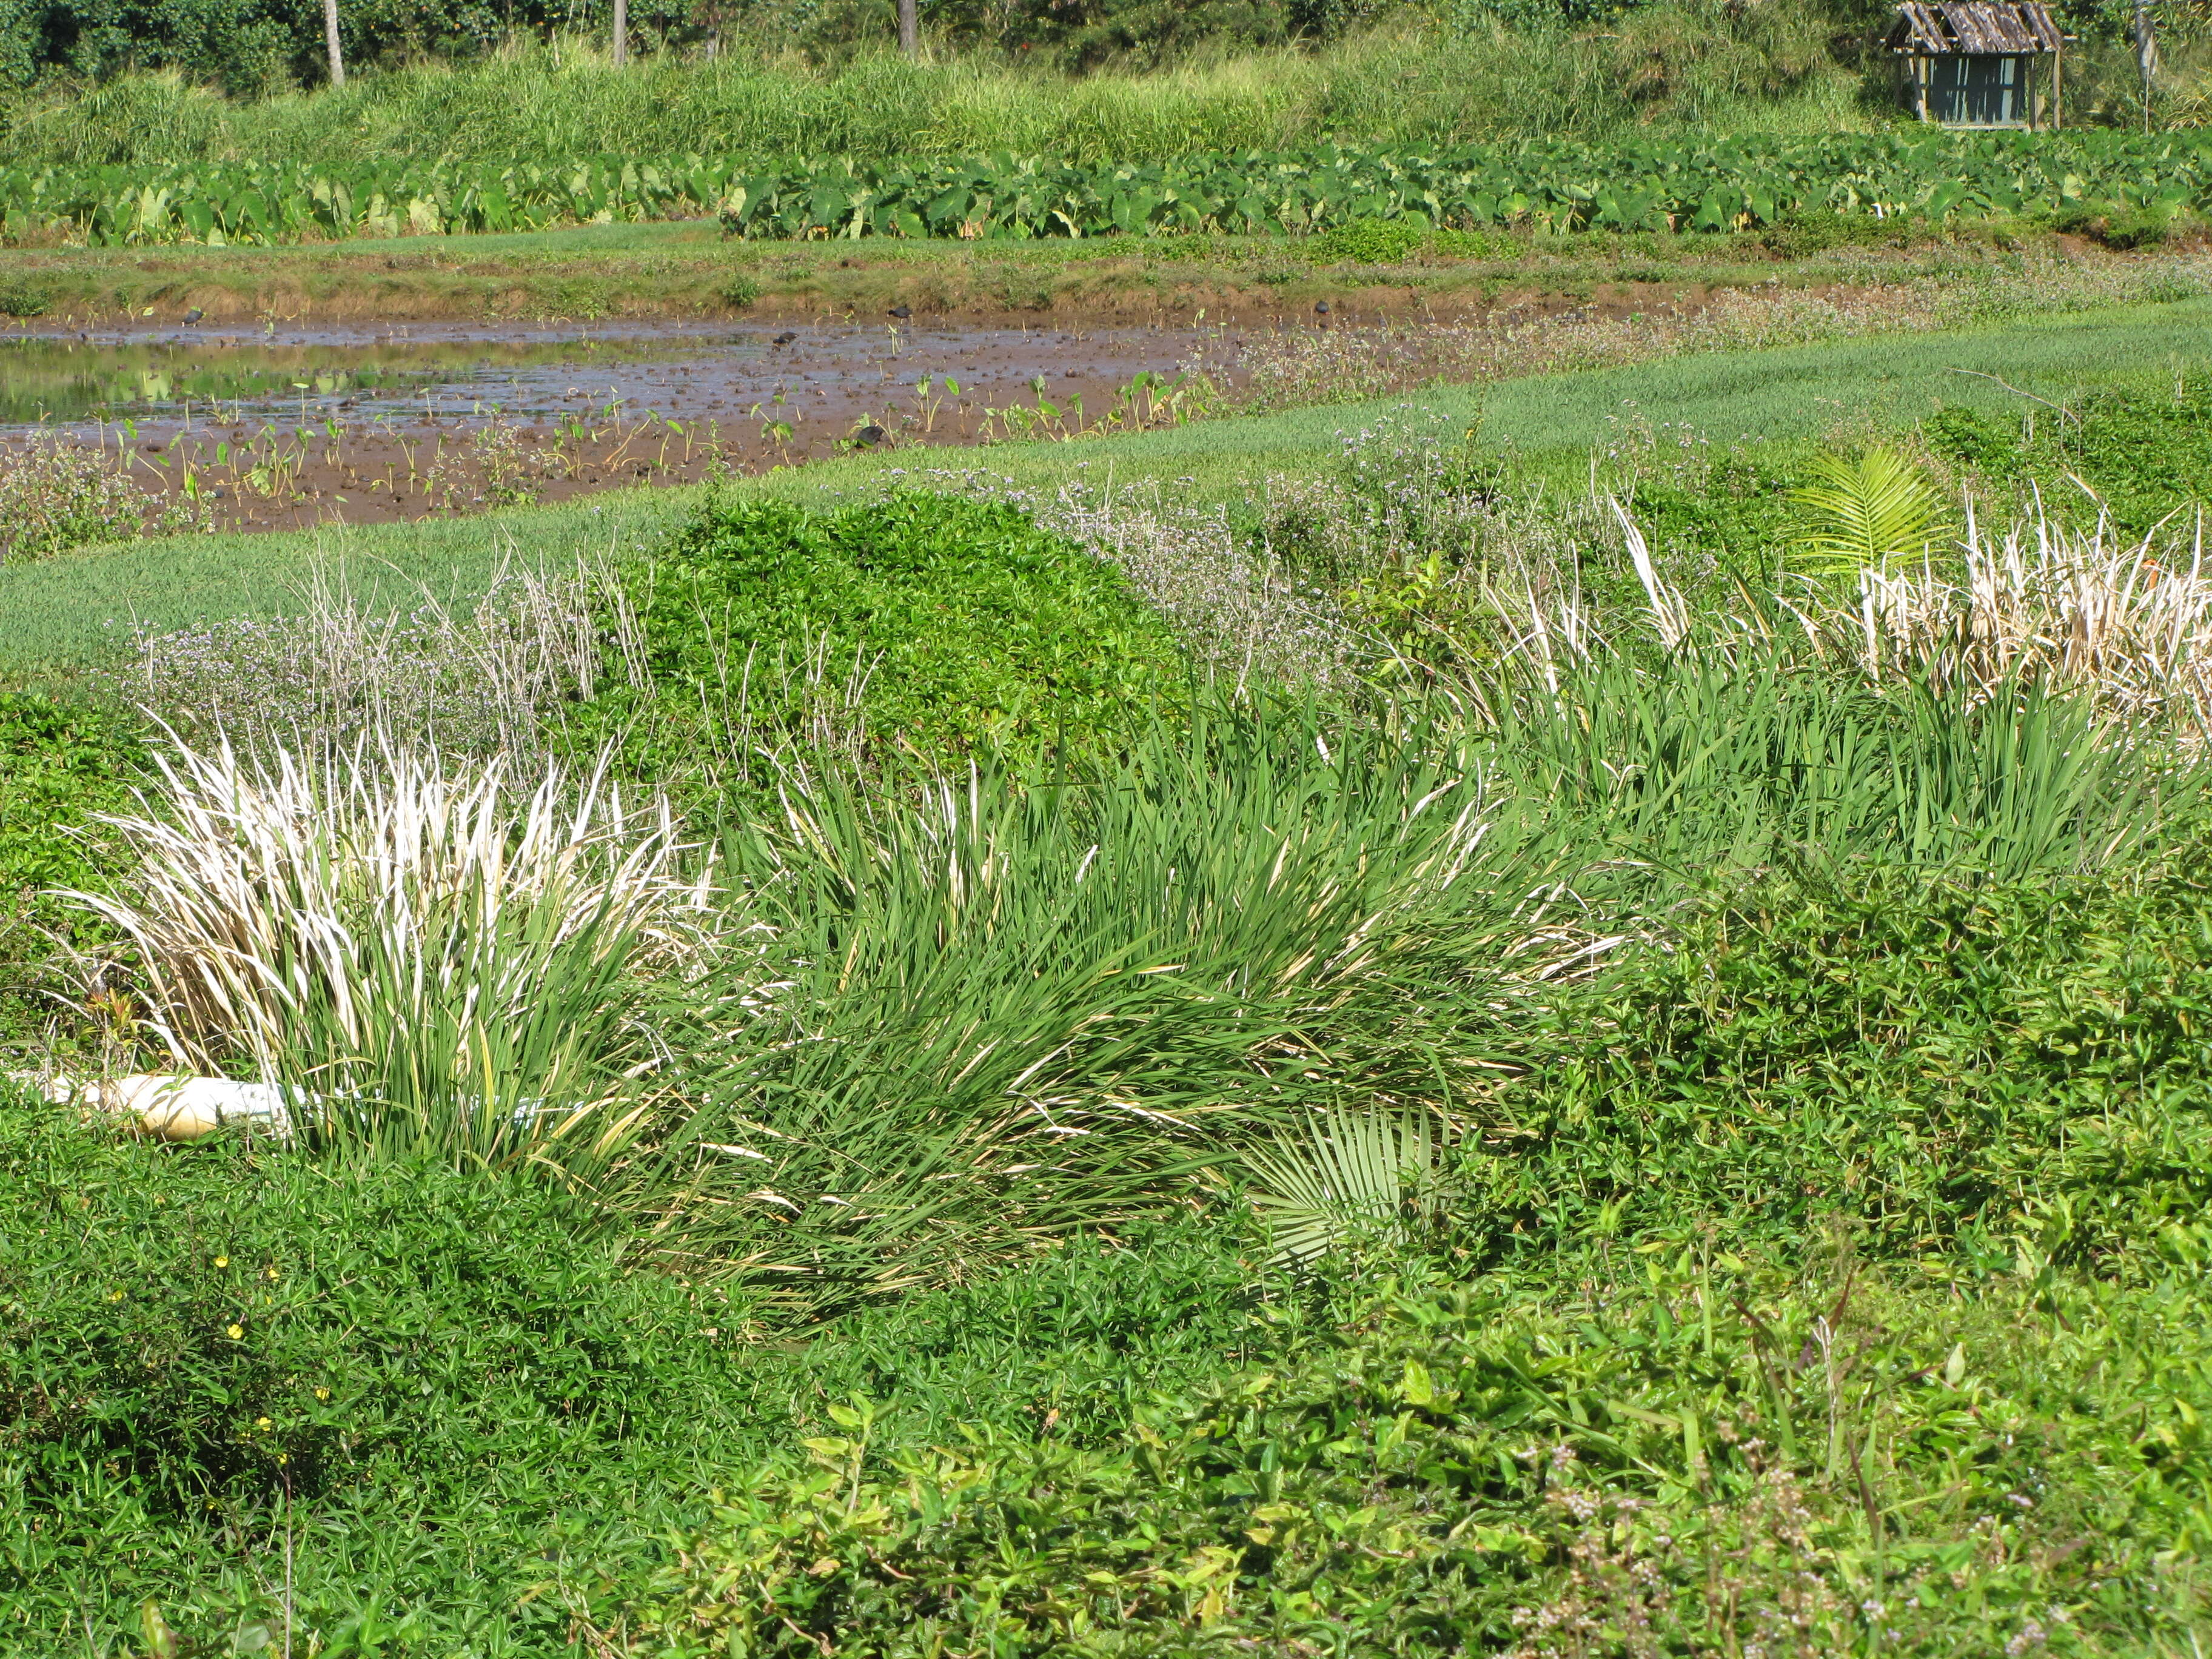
x,y
234,1332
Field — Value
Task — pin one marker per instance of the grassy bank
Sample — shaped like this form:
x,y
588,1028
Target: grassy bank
x,y
1558,1018
592,273
81,608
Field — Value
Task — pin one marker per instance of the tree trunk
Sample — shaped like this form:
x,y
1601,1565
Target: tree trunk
x,y
2146,55
910,29
622,32
331,42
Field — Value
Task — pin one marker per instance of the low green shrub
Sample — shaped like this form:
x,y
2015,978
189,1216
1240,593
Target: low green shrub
x,y
1473,245
227,1323
1992,447
208,1343
925,624
1818,230
1371,241
1944,1069
60,765
2117,225
2145,452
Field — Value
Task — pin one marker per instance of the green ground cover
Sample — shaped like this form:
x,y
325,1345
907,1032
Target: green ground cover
x,y
1364,1056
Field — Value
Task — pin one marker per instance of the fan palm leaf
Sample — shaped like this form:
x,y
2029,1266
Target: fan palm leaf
x,y
1348,1173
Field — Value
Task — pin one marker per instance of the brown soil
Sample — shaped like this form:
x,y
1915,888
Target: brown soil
x,y
673,406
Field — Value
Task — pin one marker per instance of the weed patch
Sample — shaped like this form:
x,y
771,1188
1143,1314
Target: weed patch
x,y
55,496
60,766
2143,453
925,623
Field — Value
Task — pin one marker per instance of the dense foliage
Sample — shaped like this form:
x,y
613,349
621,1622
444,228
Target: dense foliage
x,y
1631,185
1779,1279
2144,453
258,45
1857,1283
939,629
60,764
207,1338
1781,986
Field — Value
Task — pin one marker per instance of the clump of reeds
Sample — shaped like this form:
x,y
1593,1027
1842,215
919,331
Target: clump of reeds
x,y
1241,612
423,954
2127,623
480,679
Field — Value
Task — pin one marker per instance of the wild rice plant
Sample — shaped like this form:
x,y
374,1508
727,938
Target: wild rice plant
x,y
421,956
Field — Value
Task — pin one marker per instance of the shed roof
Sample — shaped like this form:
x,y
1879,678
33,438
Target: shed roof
x,y
1974,27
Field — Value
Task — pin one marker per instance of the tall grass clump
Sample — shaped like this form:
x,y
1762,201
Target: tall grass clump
x,y
1024,1001
427,959
2127,622
350,666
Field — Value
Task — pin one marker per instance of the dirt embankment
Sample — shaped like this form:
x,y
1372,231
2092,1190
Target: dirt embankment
x,y
685,271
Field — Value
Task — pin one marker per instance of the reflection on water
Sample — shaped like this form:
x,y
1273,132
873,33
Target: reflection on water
x,y
797,387
69,381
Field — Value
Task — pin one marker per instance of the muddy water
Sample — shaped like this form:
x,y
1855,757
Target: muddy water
x,y
277,427
826,377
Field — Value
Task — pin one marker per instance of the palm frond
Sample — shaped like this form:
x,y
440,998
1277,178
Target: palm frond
x,y
1856,512
1349,1173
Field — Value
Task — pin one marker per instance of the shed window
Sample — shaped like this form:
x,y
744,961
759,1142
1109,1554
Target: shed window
x,y
1977,91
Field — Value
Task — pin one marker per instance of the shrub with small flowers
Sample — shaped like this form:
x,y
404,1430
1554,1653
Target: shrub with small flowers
x,y
55,495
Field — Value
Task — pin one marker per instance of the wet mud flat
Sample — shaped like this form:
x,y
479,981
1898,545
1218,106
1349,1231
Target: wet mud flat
x,y
282,427
276,428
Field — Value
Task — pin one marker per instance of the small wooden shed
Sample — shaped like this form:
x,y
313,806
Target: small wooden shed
x,y
1980,63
